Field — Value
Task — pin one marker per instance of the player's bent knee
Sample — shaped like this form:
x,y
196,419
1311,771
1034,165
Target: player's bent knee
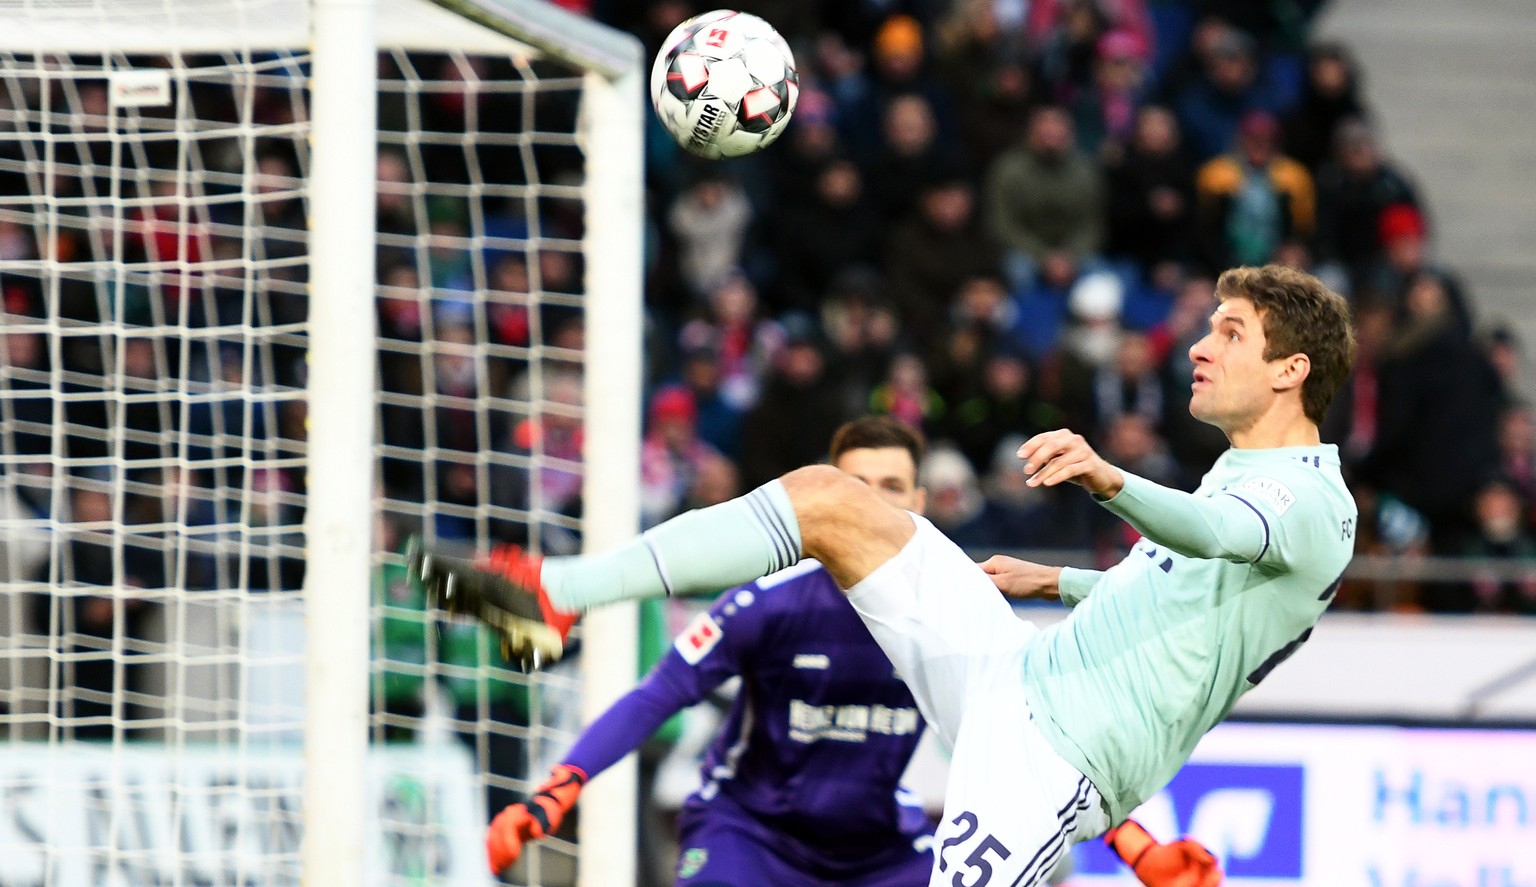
x,y
824,496
843,523
815,483
826,487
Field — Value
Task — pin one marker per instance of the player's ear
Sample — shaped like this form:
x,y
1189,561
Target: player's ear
x,y
920,500
1290,372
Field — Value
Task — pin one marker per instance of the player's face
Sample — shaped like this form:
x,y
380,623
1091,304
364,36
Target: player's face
x,y
890,471
1233,383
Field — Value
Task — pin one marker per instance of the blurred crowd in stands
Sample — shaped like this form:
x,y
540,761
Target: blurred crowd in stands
x,y
987,218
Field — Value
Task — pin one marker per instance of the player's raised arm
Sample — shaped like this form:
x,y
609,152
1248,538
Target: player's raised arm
x,y
1222,526
1225,527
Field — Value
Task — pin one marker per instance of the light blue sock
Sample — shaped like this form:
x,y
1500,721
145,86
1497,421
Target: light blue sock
x,y
699,552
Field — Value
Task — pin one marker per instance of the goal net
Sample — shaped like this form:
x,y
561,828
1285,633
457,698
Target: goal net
x,y
249,347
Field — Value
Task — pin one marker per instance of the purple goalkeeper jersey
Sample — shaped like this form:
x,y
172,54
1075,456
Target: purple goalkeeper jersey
x,y
818,736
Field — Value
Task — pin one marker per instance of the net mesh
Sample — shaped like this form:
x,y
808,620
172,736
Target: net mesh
x,y
153,269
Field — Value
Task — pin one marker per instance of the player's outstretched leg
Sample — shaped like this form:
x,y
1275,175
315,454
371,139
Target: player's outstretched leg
x,y
815,511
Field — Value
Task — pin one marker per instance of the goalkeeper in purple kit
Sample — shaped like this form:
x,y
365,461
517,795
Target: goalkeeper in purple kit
x,y
801,786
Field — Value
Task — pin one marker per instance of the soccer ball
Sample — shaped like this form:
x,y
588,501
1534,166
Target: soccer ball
x,y
724,84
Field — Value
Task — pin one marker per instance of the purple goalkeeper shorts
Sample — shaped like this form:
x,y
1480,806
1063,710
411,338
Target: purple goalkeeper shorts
x,y
726,851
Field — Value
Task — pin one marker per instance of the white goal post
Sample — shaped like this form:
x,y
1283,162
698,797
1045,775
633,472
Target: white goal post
x,y
329,54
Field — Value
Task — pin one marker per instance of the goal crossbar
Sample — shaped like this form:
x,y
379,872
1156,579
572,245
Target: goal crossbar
x,y
525,27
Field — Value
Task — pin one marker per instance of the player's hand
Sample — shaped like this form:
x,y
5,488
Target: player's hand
x,y
534,818
1183,863
1022,579
1057,456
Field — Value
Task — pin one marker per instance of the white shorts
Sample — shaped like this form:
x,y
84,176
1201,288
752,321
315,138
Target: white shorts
x,y
1012,806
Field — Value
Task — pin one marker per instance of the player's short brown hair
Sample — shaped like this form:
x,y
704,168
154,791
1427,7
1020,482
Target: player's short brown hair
x,y
1301,315
877,433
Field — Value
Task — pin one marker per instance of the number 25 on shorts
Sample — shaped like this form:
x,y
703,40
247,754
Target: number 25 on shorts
x,y
978,862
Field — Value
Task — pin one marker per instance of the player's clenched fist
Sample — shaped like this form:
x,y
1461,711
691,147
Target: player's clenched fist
x,y
534,818
1056,456
1022,579
1183,863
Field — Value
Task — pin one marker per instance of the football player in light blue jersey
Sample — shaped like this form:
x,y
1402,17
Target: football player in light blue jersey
x,y
1225,583
1056,734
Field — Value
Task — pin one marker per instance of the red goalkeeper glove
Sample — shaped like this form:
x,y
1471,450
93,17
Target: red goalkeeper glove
x,y
1182,863
534,818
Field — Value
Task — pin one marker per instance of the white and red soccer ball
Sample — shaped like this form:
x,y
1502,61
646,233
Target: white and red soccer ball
x,y
724,84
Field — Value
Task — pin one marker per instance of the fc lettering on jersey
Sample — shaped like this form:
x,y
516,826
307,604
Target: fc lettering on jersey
x,y
1269,491
701,636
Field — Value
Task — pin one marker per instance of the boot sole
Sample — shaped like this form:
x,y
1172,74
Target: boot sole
x,y
458,586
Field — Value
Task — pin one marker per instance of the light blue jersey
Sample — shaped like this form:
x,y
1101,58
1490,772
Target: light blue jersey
x,y
1226,583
